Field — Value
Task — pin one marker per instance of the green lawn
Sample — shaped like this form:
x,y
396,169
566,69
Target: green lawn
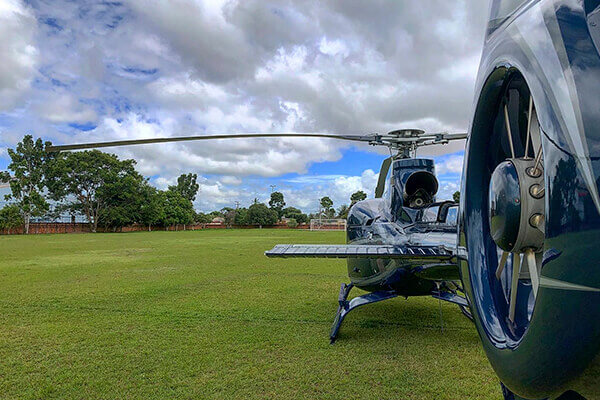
x,y
206,315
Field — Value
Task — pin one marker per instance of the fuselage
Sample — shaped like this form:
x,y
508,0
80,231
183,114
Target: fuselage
x,y
387,221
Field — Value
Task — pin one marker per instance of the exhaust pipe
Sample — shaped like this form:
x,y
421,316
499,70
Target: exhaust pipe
x,y
420,189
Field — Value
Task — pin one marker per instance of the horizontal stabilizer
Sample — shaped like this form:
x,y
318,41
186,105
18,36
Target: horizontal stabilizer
x,y
359,251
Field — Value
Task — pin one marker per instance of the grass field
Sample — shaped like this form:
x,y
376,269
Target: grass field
x,y
205,315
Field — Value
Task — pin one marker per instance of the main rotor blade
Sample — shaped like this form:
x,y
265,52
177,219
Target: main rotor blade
x,y
455,136
116,143
385,167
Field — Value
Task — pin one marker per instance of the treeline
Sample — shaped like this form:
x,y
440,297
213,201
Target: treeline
x,y
107,191
259,214
110,193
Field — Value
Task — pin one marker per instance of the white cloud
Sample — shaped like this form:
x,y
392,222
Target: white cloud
x,y
333,47
142,68
17,51
231,180
184,91
64,108
346,185
237,157
449,165
310,188
163,183
446,190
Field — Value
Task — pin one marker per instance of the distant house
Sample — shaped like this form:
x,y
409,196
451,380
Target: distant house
x,y
218,220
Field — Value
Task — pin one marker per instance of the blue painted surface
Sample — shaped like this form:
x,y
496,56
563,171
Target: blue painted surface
x,y
548,48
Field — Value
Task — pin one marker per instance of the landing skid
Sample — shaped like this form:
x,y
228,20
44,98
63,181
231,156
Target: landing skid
x,y
347,306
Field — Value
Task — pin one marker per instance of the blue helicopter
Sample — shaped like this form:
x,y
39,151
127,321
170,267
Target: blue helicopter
x,y
529,215
525,242
402,242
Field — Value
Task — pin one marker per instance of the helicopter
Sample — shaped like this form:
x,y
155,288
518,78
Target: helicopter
x,y
528,223
400,243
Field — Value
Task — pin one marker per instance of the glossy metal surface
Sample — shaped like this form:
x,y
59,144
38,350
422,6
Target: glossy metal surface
x,y
504,203
553,45
389,221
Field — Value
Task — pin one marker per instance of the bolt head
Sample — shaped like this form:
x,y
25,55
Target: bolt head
x,y
536,220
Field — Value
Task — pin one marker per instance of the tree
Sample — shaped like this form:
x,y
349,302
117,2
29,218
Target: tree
x,y
10,217
293,212
343,211
327,206
277,203
29,163
187,186
259,214
229,216
201,218
178,209
125,198
215,214
357,196
90,178
152,211
456,196
241,216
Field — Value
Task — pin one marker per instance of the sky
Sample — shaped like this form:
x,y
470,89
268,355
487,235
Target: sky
x,y
76,71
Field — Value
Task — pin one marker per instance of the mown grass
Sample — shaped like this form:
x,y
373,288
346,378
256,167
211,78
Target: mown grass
x,y
205,315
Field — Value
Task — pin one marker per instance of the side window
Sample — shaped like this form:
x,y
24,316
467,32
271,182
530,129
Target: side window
x,y
430,214
388,184
452,217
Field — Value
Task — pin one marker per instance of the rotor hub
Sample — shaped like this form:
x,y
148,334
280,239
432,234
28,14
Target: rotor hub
x,y
516,205
407,133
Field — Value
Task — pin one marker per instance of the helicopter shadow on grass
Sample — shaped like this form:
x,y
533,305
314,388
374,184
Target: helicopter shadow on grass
x,y
393,319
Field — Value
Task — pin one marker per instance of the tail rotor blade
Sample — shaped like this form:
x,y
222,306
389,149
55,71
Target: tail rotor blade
x,y
385,167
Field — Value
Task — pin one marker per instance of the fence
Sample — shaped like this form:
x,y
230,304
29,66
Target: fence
x,y
60,227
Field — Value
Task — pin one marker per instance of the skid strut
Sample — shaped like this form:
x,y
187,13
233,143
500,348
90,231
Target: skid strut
x,y
347,306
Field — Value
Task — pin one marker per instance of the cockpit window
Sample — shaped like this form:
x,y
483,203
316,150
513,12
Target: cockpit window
x,y
452,217
430,214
